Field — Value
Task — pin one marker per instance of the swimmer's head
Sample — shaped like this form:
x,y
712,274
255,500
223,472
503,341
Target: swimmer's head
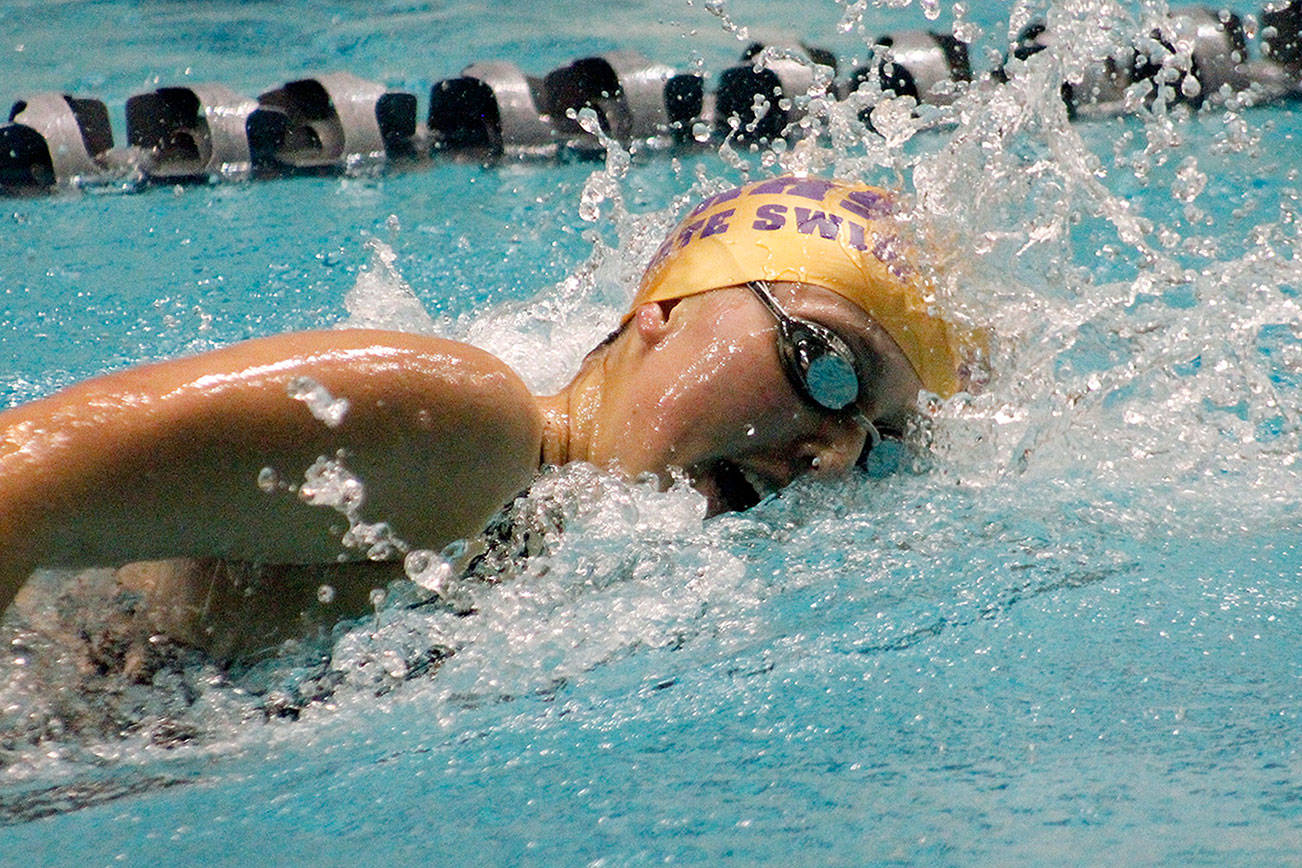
x,y
837,235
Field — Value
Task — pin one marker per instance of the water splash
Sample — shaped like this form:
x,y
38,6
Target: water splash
x,y
1146,386
604,185
719,9
326,408
329,483
428,569
381,298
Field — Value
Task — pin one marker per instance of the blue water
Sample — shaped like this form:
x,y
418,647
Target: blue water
x,y
1061,625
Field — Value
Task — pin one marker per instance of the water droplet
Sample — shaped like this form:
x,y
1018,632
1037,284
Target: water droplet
x,y
589,120
322,405
268,479
590,205
1189,181
853,16
383,549
429,570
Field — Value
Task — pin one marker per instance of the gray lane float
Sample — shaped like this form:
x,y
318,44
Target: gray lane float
x,y
336,122
200,131
340,121
54,140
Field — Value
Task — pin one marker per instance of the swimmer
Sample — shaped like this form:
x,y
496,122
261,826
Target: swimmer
x,y
778,331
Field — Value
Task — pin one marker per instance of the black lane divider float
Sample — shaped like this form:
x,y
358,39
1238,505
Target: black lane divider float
x,y
339,123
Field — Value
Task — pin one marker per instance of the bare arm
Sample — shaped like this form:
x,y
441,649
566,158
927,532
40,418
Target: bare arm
x,y
163,460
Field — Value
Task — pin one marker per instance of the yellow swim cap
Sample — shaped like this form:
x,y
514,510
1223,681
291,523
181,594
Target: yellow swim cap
x,y
833,234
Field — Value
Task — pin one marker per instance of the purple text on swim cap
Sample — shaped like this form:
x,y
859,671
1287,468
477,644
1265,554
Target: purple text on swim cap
x,y
890,249
868,204
717,223
685,235
807,188
771,216
711,201
826,225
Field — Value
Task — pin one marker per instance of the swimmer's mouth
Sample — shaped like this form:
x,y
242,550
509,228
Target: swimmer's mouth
x,y
729,487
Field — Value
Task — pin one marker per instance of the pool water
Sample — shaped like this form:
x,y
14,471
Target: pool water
x,y
1059,625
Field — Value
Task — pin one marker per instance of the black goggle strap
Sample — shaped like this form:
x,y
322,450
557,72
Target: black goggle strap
x,y
870,443
761,289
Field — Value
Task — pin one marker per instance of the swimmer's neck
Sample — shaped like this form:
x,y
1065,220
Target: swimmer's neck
x,y
572,417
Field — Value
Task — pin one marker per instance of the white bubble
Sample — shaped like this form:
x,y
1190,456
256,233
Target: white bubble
x,y
324,406
428,569
268,479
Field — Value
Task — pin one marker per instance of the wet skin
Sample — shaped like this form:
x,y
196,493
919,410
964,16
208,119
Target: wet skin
x,y
698,385
162,461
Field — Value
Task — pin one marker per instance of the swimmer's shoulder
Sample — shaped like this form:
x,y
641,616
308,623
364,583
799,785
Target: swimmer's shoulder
x,y
463,401
468,385
432,362
442,433
402,378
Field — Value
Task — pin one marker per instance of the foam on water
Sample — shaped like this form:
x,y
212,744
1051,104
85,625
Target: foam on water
x,y
381,298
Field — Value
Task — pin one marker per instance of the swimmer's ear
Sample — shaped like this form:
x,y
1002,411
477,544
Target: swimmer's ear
x,y
651,319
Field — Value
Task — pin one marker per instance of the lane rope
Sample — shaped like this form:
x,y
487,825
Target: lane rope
x,y
338,123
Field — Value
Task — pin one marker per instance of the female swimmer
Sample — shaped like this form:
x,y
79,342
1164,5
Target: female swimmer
x,y
776,330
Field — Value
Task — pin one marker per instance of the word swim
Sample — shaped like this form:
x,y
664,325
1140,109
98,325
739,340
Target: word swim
x,y
752,208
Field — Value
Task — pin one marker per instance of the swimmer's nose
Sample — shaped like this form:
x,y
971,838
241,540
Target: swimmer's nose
x,y
835,448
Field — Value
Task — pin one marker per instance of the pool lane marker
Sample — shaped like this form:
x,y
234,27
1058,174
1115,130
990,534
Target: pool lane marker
x,y
337,123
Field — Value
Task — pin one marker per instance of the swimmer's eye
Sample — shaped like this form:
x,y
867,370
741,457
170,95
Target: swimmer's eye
x,y
818,362
827,371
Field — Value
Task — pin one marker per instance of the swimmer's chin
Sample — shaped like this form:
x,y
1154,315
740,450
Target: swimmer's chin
x,y
729,487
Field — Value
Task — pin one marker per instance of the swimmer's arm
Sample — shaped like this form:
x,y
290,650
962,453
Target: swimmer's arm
x,y
164,460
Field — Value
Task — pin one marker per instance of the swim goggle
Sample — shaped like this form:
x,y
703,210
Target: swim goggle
x,y
819,363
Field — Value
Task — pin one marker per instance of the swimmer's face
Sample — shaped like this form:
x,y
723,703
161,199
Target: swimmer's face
x,y
710,395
